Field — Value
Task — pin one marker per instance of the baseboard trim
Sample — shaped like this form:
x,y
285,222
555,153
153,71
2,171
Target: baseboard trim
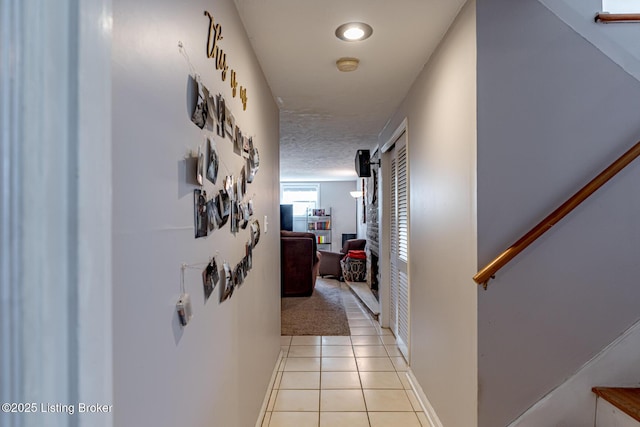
x,y
265,402
429,412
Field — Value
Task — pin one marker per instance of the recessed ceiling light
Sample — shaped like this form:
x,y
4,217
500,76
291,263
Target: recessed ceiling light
x,y
354,31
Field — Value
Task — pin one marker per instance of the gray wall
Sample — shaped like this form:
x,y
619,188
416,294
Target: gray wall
x,y
618,42
214,372
441,114
553,111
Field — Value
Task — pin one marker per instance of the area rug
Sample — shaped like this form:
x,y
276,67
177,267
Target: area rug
x,y
320,314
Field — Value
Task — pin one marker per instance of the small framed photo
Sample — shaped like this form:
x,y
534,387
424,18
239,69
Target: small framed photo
x,y
230,187
212,161
250,174
213,112
201,219
250,207
242,183
246,145
201,109
249,255
237,140
200,166
255,232
215,208
227,291
234,217
229,123
224,207
210,278
222,119
245,215
212,213
254,158
238,275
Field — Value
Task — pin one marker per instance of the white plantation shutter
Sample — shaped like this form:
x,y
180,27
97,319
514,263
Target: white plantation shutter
x,y
403,252
403,223
402,336
399,250
393,279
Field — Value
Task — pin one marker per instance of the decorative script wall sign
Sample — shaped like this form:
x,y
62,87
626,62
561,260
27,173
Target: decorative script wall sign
x,y
215,52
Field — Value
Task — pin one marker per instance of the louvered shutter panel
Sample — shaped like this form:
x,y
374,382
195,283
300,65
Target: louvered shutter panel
x,y
402,335
393,279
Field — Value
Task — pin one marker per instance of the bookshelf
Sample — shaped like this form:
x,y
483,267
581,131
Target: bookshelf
x,y
319,223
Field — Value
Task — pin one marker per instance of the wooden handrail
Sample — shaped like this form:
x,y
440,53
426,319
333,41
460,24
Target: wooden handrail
x,y
488,272
617,17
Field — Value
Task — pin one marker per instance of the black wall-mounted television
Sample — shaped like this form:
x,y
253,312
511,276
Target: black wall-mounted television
x,y
286,217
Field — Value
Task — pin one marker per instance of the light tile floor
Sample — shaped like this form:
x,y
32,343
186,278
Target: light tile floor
x,y
354,381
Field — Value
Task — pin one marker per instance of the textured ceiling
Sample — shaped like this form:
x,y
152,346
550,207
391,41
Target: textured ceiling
x,y
325,114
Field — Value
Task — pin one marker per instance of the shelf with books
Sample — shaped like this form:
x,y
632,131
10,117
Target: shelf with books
x,y
319,223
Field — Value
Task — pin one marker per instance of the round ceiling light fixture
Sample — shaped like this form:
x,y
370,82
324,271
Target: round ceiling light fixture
x,y
347,64
354,31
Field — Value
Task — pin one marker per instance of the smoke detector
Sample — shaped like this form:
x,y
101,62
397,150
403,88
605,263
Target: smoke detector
x,y
347,64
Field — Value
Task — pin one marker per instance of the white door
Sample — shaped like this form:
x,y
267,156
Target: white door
x,y
399,245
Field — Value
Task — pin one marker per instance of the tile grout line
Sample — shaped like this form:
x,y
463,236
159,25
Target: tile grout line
x,y
387,351
320,382
366,408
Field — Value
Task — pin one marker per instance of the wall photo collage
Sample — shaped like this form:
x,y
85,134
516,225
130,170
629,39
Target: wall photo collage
x,y
229,202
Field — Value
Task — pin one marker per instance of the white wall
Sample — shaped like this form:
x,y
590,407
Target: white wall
x,y
441,113
215,371
547,124
335,194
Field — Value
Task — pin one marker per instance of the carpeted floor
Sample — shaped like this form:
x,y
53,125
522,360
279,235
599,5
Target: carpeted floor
x,y
320,314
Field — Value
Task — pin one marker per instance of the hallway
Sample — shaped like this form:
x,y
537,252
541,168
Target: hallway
x,y
334,381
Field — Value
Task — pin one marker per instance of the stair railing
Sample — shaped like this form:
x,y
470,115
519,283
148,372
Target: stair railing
x,y
488,272
610,18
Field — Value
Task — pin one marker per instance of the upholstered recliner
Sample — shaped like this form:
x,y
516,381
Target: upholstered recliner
x,y
299,262
330,263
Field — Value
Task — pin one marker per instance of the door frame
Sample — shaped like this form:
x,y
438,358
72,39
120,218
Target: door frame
x,y
385,214
55,207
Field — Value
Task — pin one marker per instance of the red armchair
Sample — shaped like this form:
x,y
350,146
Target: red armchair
x,y
330,262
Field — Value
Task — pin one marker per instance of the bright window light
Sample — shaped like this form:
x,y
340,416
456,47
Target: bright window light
x,y
302,197
621,6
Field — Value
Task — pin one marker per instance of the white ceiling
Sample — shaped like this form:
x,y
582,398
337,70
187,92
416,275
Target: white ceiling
x,y
325,114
